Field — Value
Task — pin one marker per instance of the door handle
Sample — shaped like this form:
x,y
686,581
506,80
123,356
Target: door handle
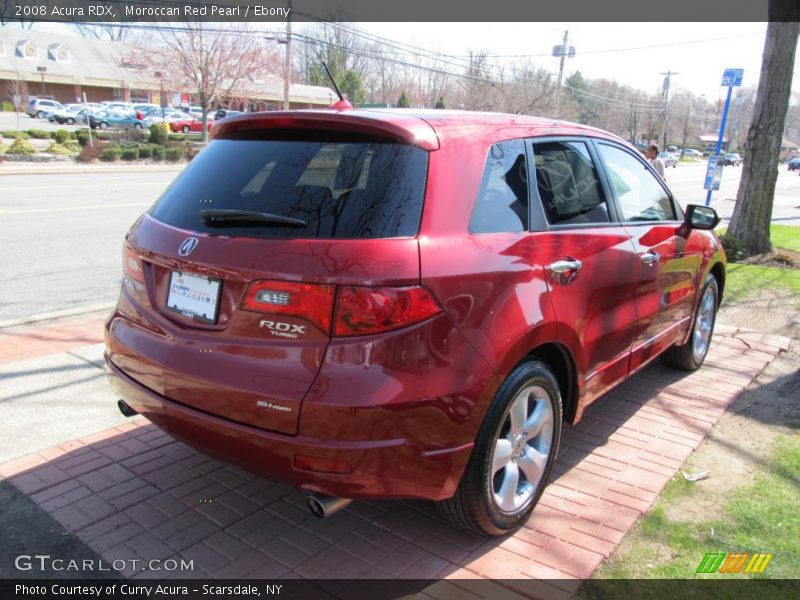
x,y
567,265
650,257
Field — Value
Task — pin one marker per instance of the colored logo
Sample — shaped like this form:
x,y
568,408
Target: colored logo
x,y
734,562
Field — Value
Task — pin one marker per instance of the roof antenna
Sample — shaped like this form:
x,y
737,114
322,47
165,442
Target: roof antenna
x,y
342,104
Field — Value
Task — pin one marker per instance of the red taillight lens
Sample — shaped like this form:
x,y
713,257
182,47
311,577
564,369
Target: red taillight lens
x,y
365,310
308,301
132,265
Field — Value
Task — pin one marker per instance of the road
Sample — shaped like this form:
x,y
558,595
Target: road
x,y
62,237
686,183
8,122
62,233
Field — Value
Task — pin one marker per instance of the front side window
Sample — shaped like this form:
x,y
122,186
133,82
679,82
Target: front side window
x,y
641,196
502,203
568,185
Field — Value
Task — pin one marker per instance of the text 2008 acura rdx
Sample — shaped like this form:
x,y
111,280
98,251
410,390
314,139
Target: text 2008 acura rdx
x,y
406,304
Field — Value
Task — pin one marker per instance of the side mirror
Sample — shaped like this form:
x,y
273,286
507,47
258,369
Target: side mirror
x,y
701,217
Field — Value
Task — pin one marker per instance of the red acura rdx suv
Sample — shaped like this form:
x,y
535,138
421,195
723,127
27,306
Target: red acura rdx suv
x,y
406,304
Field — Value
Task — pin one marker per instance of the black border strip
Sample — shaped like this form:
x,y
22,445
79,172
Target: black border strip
x,y
385,589
406,11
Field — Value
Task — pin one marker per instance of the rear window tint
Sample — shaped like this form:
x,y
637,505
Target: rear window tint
x,y
340,189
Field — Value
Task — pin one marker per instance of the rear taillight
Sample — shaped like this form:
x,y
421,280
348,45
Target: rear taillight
x,y
308,301
359,310
132,265
366,310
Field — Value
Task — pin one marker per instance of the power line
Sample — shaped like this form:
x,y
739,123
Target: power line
x,y
645,107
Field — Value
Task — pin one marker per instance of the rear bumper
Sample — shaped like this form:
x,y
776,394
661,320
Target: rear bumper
x,y
387,468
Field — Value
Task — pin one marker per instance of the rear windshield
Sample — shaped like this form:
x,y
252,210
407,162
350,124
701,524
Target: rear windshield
x,y
340,189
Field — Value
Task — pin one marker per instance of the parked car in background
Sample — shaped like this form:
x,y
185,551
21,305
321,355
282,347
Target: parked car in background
x,y
692,153
69,114
169,116
190,125
145,107
226,112
37,107
109,118
794,164
731,159
118,106
668,159
291,302
194,111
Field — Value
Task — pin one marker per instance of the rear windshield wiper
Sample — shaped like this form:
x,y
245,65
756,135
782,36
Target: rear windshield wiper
x,y
222,218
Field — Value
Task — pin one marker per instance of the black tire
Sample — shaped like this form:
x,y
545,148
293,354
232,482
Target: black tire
x,y
474,506
39,115
185,129
137,125
690,356
103,125
70,121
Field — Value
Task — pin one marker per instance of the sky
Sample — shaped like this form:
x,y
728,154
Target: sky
x,y
635,54
698,52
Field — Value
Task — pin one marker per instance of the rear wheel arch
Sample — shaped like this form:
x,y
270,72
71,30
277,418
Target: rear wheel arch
x,y
558,357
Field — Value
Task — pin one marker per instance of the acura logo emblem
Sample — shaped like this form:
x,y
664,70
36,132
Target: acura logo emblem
x,y
187,247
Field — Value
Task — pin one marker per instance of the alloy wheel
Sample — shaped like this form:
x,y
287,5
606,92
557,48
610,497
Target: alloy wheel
x,y
703,324
522,449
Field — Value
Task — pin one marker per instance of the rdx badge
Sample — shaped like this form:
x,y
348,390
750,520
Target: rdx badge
x,y
287,330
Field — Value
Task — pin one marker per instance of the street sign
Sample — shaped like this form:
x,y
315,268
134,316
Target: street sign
x,y
732,77
713,174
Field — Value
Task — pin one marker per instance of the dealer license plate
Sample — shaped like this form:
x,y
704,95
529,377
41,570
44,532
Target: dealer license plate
x,y
194,296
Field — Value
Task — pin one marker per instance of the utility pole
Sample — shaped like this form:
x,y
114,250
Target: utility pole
x,y
563,51
667,81
288,64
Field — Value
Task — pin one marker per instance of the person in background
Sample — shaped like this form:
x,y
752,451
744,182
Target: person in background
x,y
651,154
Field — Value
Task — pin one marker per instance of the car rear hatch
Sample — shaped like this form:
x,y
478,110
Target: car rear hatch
x,y
261,250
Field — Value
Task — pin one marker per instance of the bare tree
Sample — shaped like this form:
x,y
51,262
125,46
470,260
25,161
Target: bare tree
x,y
634,115
752,213
116,32
17,93
216,64
792,127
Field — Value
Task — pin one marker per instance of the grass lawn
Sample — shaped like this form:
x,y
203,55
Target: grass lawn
x,y
741,279
785,236
753,508
757,518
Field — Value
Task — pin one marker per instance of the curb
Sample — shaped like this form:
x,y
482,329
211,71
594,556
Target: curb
x,y
59,314
81,169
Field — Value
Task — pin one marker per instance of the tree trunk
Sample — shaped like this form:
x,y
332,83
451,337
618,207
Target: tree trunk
x,y
753,210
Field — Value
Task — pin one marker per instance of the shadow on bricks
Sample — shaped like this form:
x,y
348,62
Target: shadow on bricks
x,y
134,492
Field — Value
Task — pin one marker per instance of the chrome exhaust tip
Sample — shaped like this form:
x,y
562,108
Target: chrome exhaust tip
x,y
325,506
125,409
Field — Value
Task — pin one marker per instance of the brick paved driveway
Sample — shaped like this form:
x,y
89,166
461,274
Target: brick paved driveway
x,y
134,492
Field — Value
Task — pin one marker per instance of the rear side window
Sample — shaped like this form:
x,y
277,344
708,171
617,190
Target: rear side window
x,y
502,203
568,185
340,189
